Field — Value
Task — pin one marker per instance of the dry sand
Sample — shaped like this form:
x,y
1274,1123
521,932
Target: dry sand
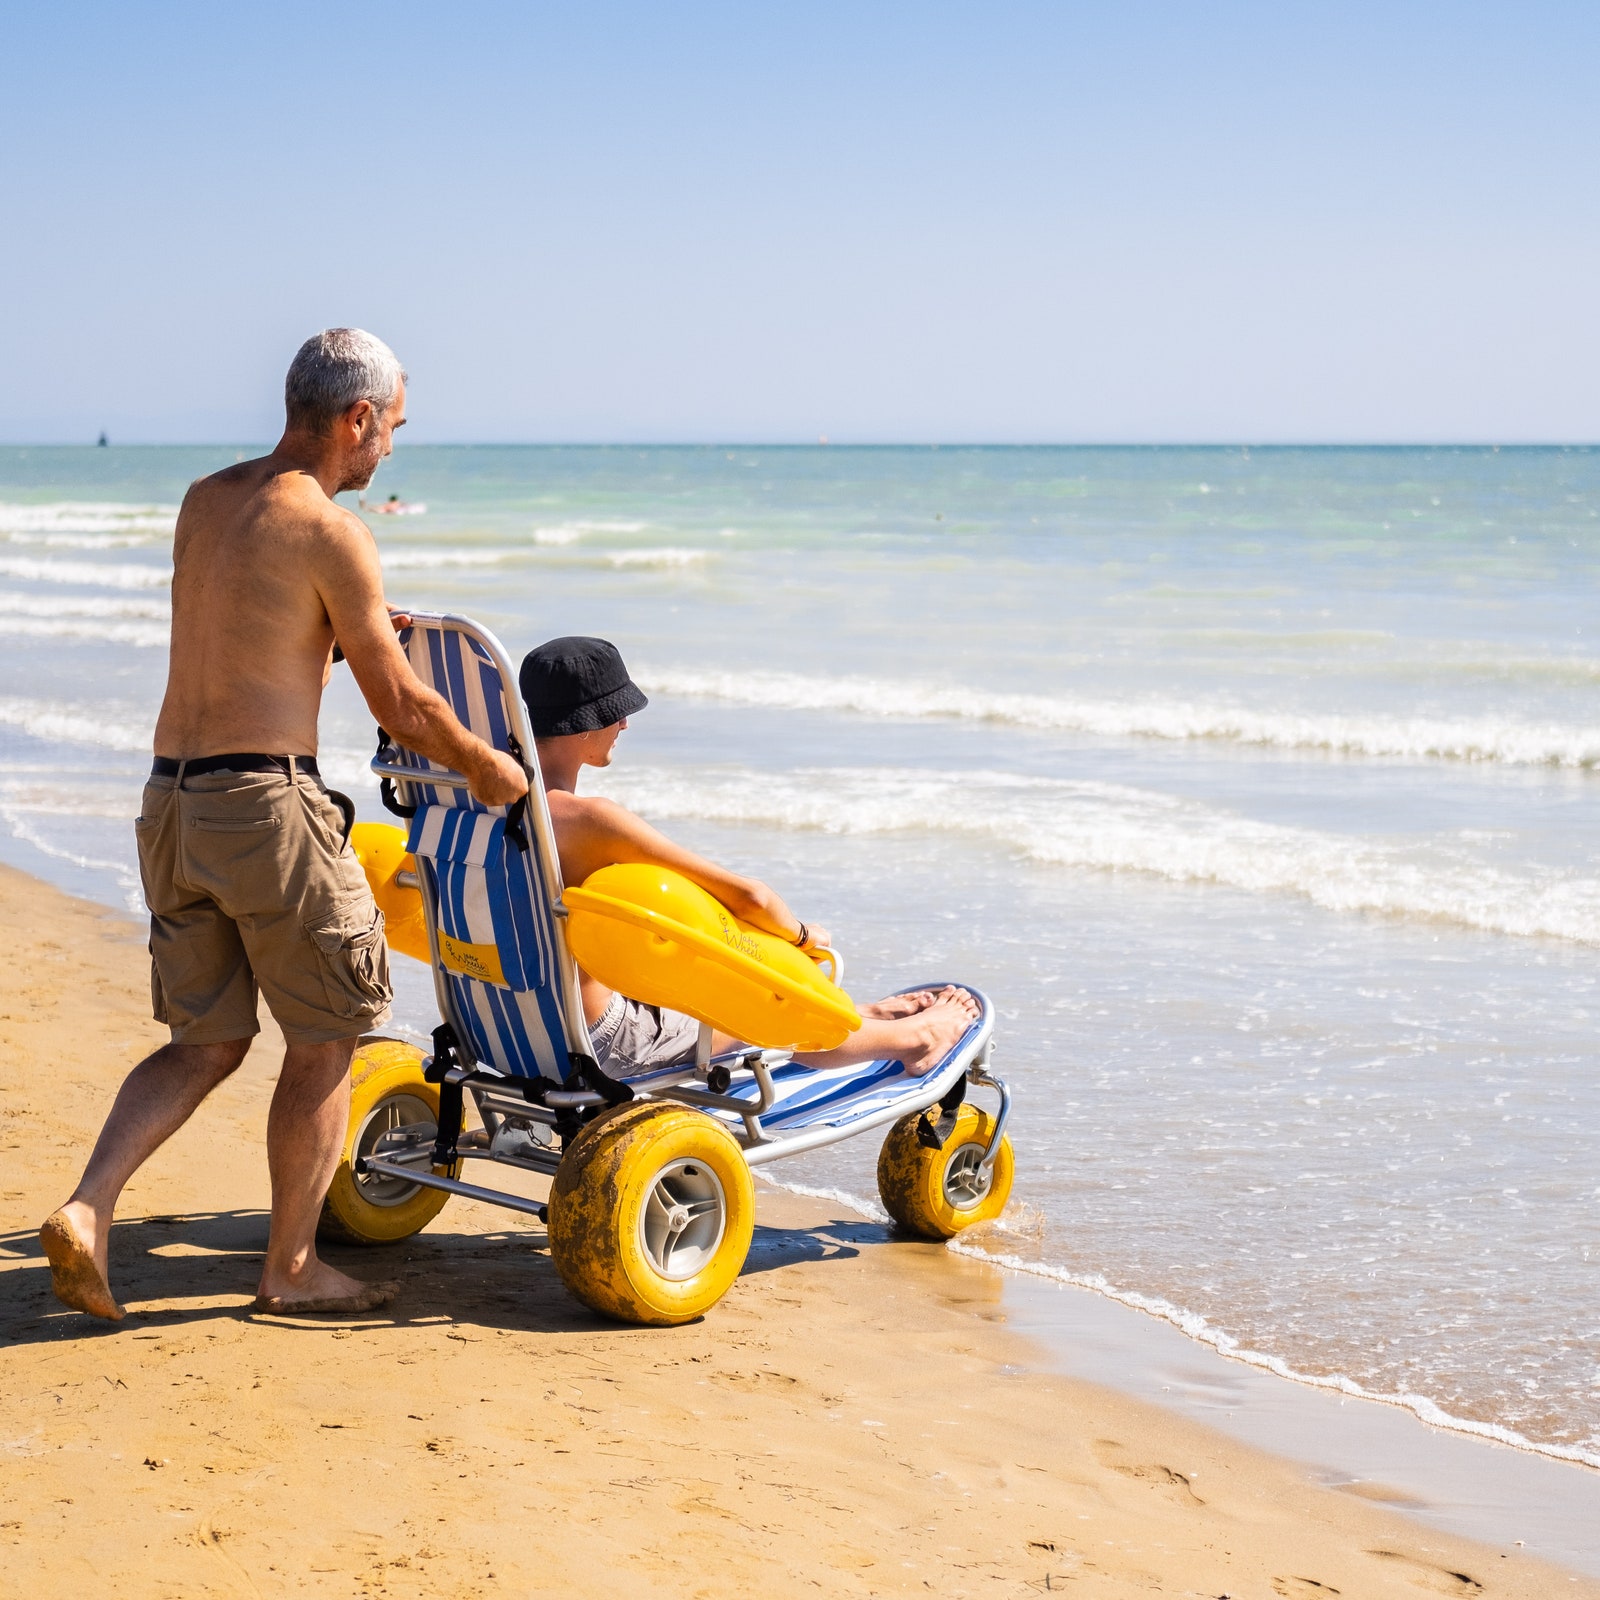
x,y
854,1419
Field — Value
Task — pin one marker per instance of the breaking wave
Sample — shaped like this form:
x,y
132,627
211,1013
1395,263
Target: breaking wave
x,y
1111,828
667,556
1464,739
422,560
571,532
86,524
109,725
30,569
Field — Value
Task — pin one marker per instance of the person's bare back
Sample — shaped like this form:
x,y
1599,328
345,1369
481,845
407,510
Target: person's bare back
x,y
251,634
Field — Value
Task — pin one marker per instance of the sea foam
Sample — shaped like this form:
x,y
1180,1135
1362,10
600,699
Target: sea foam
x,y
110,725
667,556
86,524
397,560
30,569
1464,739
1113,828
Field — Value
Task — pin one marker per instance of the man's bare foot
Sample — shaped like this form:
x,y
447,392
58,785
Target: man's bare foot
x,y
937,1029
324,1288
79,1280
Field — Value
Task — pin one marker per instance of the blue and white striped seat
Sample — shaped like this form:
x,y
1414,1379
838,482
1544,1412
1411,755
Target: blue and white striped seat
x,y
487,874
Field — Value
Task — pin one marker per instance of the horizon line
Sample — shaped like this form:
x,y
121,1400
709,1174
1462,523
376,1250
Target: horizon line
x,y
823,443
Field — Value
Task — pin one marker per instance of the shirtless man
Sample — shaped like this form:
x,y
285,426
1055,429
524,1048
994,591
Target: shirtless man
x,y
579,699
244,852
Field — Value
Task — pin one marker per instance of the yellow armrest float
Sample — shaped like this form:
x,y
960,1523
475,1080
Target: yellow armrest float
x,y
651,934
381,850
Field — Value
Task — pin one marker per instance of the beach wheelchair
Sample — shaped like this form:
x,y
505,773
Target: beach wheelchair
x,y
652,1204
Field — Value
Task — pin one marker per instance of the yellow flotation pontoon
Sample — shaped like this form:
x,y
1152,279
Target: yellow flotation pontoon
x,y
651,934
392,877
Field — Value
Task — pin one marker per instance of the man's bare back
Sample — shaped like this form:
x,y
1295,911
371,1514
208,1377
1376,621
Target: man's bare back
x,y
257,548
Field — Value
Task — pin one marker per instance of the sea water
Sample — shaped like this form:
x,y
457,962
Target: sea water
x,y
1257,787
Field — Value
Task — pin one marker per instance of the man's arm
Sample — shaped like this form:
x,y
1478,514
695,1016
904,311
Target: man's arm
x,y
350,581
597,833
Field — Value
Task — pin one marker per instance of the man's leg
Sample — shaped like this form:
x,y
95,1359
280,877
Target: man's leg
x,y
155,1100
305,1134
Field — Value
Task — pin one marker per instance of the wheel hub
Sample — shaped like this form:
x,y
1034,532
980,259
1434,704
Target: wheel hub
x,y
683,1219
966,1179
394,1124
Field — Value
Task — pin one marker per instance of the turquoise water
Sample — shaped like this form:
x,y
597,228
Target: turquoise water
x,y
1257,787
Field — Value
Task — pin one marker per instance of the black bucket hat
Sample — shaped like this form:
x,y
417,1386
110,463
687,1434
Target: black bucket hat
x,y
575,685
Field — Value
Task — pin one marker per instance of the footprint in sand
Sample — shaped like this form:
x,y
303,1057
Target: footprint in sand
x,y
1113,1455
1430,1576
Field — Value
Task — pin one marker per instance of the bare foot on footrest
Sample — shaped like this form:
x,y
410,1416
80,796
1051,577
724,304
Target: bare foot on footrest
x,y
938,1028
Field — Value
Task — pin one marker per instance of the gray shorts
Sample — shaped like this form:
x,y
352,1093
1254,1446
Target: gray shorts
x,y
633,1037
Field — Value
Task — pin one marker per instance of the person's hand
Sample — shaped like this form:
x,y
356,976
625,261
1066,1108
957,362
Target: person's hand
x,y
499,781
399,619
817,938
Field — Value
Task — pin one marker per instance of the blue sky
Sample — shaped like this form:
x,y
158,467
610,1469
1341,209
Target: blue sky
x,y
988,221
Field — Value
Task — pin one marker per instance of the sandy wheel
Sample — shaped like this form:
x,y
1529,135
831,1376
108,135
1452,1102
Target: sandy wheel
x,y
937,1193
651,1214
391,1106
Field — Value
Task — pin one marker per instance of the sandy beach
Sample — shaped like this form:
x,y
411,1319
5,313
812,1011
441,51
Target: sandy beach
x,y
855,1419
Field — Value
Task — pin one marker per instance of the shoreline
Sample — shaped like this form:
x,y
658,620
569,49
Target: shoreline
x,y
862,1414
1453,1475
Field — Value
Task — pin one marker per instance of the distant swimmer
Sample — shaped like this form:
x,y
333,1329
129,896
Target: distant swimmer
x,y
394,506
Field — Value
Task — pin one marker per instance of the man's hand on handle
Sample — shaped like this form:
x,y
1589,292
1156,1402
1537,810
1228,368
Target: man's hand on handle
x,y
497,779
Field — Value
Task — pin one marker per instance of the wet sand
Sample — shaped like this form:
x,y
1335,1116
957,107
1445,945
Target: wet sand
x,y
856,1418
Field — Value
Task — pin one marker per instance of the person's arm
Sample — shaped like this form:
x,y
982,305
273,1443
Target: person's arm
x,y
601,833
350,582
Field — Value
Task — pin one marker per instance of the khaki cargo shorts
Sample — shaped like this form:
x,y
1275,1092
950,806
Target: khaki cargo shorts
x,y
252,884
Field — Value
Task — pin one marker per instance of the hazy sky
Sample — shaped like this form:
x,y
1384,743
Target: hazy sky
x,y
875,221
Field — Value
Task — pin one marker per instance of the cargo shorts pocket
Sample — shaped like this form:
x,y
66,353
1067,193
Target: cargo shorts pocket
x,y
355,959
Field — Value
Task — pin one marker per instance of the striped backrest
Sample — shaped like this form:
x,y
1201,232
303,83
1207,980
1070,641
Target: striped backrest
x,y
488,873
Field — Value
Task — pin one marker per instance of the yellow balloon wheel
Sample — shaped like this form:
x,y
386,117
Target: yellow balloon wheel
x,y
387,1091
651,1214
936,1193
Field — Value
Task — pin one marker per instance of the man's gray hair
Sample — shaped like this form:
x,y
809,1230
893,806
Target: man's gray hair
x,y
334,370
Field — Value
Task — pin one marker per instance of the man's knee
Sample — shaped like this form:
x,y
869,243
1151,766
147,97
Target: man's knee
x,y
323,1059
213,1061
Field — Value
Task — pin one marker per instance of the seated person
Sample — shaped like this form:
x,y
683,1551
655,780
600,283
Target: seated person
x,y
579,699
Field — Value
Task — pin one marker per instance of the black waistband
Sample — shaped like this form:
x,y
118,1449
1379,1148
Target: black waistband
x,y
166,767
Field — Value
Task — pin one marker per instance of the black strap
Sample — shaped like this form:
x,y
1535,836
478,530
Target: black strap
x,y
609,1090
516,831
386,789
517,811
446,1055
930,1134
347,808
